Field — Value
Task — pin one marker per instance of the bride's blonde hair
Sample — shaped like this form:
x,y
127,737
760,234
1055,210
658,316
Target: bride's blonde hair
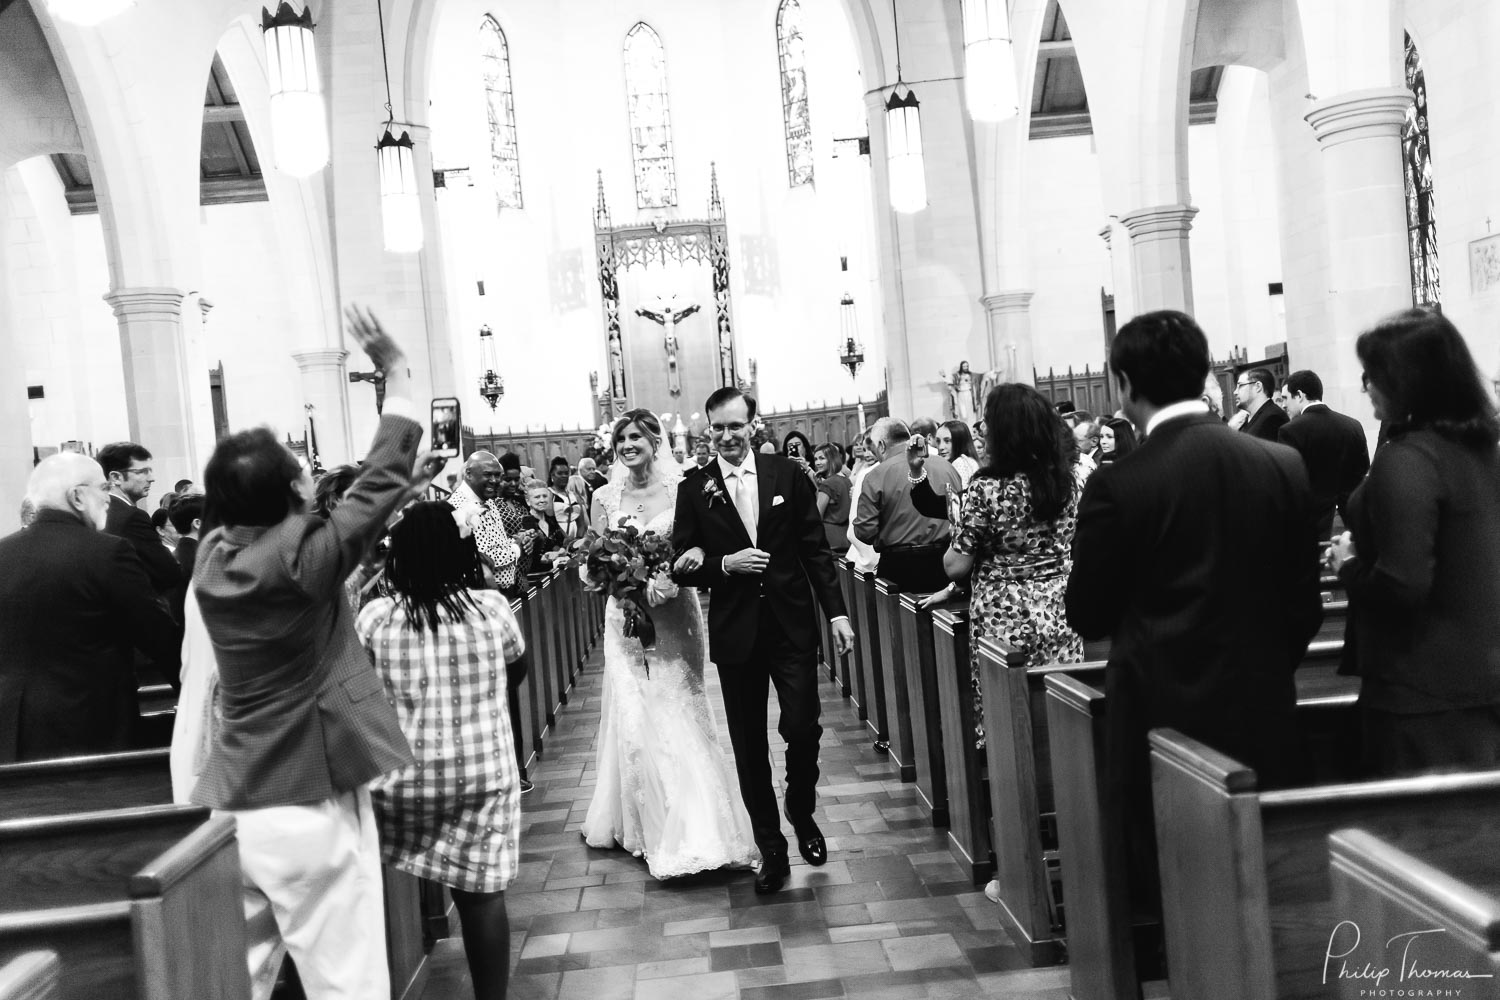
x,y
663,468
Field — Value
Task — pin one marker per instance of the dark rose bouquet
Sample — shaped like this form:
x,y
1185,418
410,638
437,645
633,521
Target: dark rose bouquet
x,y
626,563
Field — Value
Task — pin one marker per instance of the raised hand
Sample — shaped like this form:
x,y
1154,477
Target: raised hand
x,y
381,348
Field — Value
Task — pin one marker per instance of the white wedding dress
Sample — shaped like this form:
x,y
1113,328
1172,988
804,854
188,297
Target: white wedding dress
x,y
666,790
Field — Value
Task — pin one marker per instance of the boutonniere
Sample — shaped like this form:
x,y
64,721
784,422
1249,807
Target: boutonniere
x,y
712,491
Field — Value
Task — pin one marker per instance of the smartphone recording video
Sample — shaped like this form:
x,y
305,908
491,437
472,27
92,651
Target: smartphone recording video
x,y
445,427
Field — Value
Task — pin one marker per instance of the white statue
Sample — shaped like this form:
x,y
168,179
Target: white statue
x,y
668,315
963,393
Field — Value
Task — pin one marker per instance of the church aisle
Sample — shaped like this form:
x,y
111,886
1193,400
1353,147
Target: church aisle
x,y
889,916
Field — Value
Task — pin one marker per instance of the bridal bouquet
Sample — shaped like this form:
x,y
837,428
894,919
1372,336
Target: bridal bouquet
x,y
627,564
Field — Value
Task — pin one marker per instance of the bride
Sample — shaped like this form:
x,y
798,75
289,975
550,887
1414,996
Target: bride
x,y
665,791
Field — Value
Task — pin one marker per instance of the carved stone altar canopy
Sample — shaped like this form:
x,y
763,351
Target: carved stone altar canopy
x,y
702,241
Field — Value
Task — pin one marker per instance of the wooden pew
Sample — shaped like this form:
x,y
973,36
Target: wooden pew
x,y
848,665
919,651
968,795
867,635
32,976
1103,939
854,670
134,791
1246,894
893,670
94,782
169,927
1018,760
532,625
1387,895
157,712
530,694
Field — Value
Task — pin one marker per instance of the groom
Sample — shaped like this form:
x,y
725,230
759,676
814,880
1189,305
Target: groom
x,y
765,556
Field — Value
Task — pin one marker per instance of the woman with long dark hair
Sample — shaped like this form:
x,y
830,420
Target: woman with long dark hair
x,y
955,442
1422,557
1014,534
441,642
834,499
1116,439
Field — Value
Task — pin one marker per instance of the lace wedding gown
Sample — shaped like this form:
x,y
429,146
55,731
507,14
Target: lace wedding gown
x,y
666,790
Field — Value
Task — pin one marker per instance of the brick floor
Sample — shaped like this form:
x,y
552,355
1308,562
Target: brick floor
x,y
890,915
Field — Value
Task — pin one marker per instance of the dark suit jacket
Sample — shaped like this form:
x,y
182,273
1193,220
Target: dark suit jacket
x,y
1196,555
305,715
1337,456
1424,587
1268,420
129,522
73,603
800,567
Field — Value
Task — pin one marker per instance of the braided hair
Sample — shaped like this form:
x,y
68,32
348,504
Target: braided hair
x,y
430,568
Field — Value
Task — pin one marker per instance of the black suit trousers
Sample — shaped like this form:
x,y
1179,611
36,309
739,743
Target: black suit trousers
x,y
793,672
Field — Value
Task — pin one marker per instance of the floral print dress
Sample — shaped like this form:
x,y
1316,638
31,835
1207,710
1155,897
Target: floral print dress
x,y
1020,574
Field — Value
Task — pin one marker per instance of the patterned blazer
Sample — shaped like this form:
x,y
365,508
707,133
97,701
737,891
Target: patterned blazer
x,y
305,715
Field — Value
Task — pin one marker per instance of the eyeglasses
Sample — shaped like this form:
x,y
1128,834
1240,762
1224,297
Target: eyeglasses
x,y
1243,385
142,471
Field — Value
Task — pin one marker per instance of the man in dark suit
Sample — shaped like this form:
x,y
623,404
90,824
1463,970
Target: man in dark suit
x,y
1333,446
1198,559
305,721
74,603
765,553
127,466
1252,393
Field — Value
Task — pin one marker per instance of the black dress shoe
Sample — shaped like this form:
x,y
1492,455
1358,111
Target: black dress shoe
x,y
774,871
810,843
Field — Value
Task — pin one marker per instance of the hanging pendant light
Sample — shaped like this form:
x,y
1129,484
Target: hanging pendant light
x,y
299,128
907,174
400,202
400,207
989,61
903,140
87,13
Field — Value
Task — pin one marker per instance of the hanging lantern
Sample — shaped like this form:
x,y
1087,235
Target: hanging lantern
x,y
299,128
87,13
903,135
400,205
491,385
851,351
989,61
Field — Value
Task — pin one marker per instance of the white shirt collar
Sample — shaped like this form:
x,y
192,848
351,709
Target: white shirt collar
x,y
1316,402
1185,408
726,469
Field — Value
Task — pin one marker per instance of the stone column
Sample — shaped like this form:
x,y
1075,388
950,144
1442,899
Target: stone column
x,y
1359,134
1009,317
325,386
1161,266
158,395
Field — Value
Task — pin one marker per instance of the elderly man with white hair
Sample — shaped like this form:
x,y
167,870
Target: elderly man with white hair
x,y
74,602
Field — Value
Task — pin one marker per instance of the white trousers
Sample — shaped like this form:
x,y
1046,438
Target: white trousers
x,y
314,870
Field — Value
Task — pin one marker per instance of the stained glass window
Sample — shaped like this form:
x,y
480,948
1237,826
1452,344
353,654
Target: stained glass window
x,y
1421,208
650,118
500,107
791,48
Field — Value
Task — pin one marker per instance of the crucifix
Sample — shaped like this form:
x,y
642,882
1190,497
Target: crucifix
x,y
377,377
668,315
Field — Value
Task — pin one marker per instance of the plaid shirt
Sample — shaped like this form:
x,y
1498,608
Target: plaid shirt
x,y
455,816
490,534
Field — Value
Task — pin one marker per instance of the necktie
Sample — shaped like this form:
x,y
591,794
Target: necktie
x,y
742,503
